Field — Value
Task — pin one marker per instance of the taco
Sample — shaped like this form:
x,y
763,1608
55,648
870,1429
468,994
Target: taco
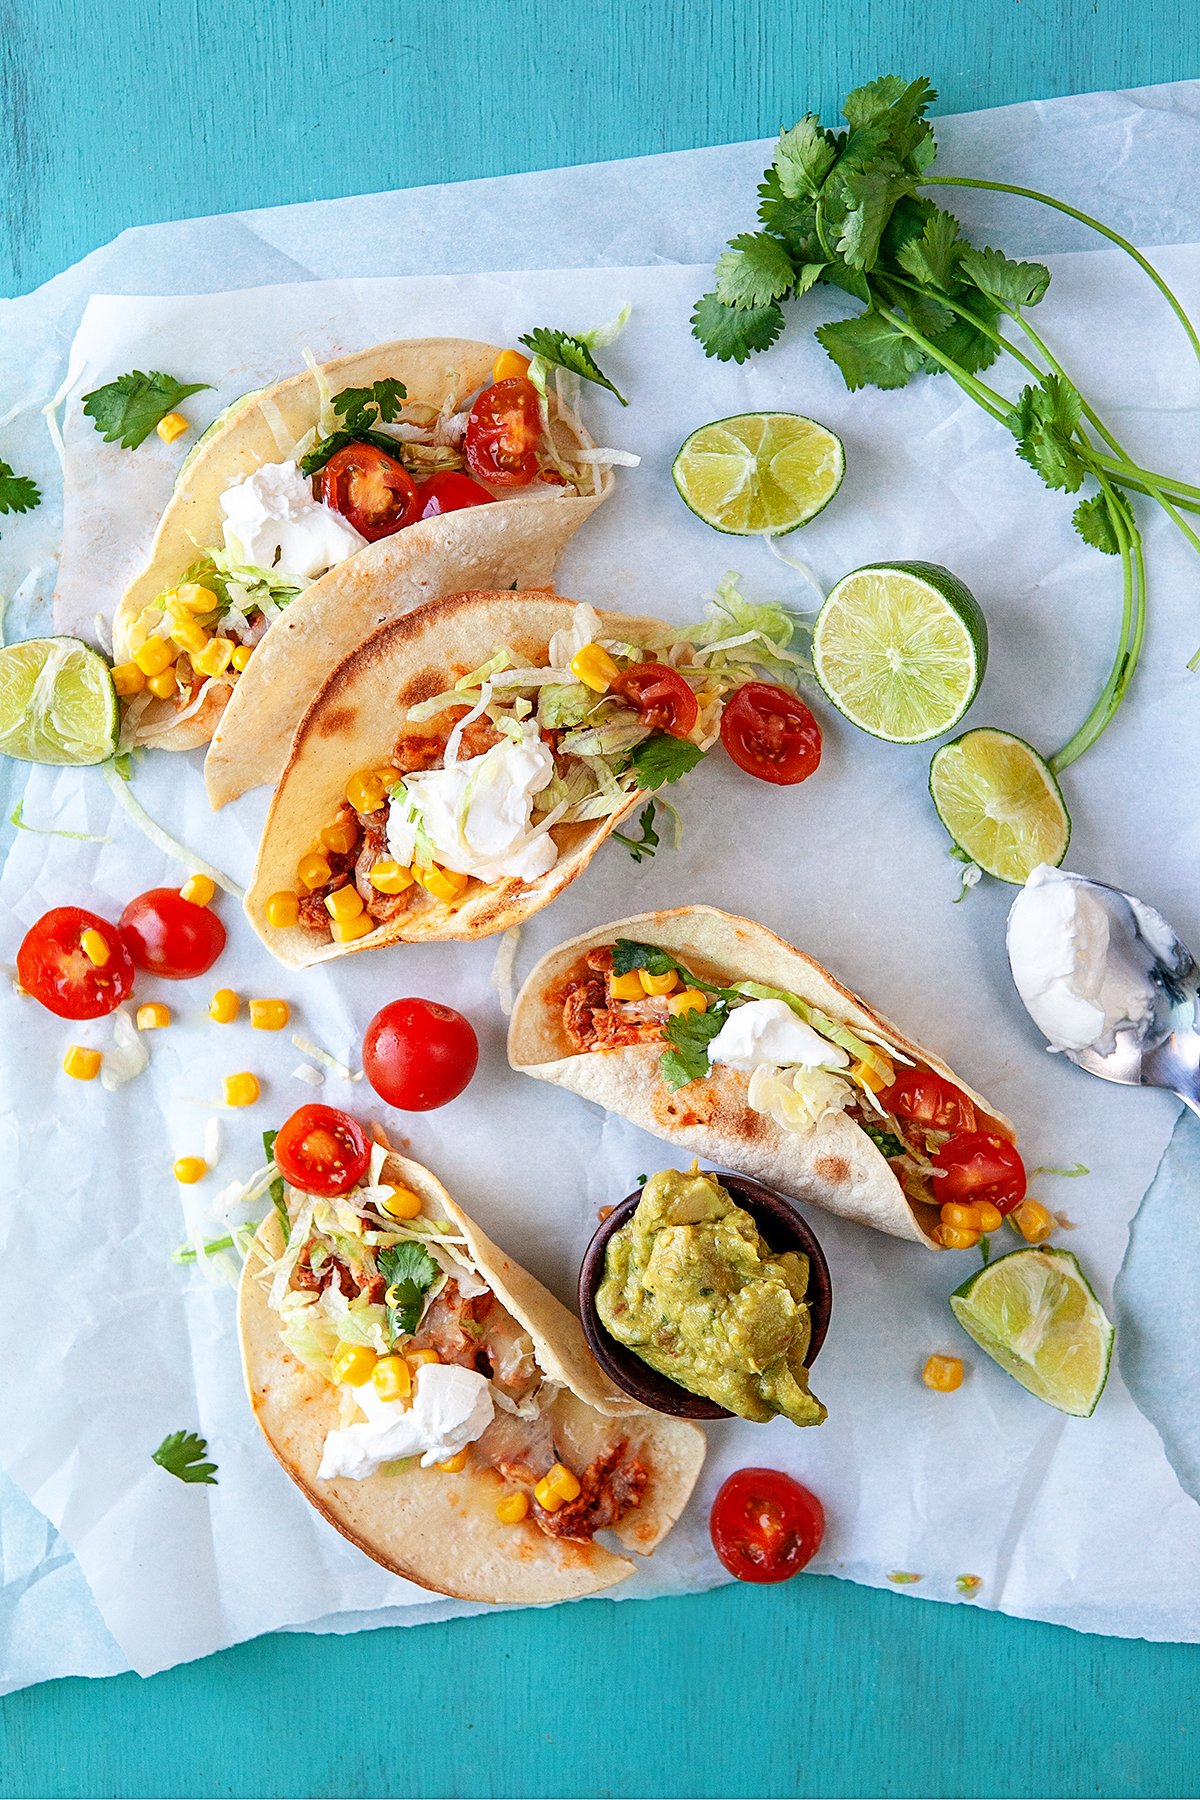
x,y
439,1407
715,1035
301,493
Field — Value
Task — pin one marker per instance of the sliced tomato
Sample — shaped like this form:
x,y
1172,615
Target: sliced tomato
x,y
977,1166
371,490
929,1101
53,966
502,434
765,1526
170,936
663,698
769,732
450,491
322,1150
418,1055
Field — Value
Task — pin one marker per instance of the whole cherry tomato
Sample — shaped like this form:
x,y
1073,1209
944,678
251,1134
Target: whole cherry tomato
x,y
322,1150
54,967
450,491
765,1526
769,732
976,1167
371,490
929,1101
418,1055
170,936
663,698
502,434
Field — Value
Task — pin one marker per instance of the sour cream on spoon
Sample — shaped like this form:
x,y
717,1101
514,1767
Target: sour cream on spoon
x,y
1065,951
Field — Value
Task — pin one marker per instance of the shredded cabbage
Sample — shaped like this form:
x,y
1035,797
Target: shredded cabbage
x,y
163,839
798,1099
128,1056
502,970
327,422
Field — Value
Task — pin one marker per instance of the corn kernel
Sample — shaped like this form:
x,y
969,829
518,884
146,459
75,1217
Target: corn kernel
x,y
194,598
353,1365
508,364
392,1378
189,635
965,1218
513,1508
83,1064
283,909
165,685
456,1464
199,889
171,426
313,870
952,1237
94,945
347,931
404,1204
241,656
595,668
223,1007
563,1482
868,1076
344,903
1034,1222
444,884
154,656
364,791
153,1016
269,1015
339,837
390,877
190,1169
627,987
242,1090
128,679
690,1000
658,984
418,1358
214,658
990,1217
943,1374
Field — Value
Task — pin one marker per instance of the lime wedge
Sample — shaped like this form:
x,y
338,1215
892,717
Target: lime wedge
x,y
760,472
1000,803
900,649
57,703
1034,1313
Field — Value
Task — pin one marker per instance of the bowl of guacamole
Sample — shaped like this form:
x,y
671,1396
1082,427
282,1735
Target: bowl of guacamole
x,y
708,1296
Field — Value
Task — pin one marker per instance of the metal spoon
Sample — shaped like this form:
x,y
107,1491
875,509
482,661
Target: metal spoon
x,y
1164,1051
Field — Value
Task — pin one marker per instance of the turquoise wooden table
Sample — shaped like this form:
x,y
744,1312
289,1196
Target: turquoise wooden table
x,y
129,115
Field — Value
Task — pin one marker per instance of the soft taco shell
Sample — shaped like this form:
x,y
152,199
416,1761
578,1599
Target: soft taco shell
x,y
354,723
834,1166
521,540
441,1531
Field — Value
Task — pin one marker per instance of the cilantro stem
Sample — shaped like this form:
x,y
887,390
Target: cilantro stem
x,y
1133,621
979,392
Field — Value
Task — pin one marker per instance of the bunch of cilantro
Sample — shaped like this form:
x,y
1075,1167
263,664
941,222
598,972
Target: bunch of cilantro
x,y
844,208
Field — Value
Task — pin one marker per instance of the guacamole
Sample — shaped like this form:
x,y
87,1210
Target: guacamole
x,y
691,1288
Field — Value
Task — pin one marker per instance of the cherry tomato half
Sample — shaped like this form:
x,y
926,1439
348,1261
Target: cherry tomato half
x,y
929,1101
322,1150
663,698
502,434
418,1055
170,936
769,732
53,966
449,491
765,1526
371,490
980,1167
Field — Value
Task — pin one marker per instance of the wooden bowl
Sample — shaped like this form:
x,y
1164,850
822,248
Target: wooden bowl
x,y
782,1229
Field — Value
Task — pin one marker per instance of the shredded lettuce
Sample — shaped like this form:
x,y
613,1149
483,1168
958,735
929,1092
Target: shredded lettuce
x,y
762,632
563,704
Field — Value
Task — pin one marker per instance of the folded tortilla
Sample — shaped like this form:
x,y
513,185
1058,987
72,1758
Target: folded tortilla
x,y
354,723
519,539
439,1530
834,1165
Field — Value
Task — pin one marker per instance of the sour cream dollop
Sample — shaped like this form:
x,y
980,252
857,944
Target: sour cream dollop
x,y
451,1407
1077,984
271,519
477,814
769,1032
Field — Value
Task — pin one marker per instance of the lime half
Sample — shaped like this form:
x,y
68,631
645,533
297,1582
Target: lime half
x,y
1034,1314
1000,803
900,649
57,703
760,472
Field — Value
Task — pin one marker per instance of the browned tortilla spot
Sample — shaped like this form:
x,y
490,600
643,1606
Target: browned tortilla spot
x,y
341,718
834,1169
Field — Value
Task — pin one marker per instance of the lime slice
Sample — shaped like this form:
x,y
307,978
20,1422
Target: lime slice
x,y
1034,1313
900,649
57,703
1000,803
760,472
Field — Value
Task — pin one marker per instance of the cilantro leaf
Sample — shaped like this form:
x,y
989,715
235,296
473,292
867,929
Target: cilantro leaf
x,y
277,1195
755,270
569,353
886,1142
1011,283
803,157
663,758
647,844
689,1035
870,351
130,407
1043,422
1093,522
364,407
629,955
182,1455
793,221
730,333
933,258
872,195
18,493
410,1272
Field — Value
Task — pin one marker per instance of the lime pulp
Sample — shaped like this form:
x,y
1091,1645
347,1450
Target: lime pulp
x,y
57,703
759,472
1035,1314
1000,803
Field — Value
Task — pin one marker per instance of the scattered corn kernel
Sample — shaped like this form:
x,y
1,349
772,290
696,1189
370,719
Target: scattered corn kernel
x,y
690,1000
595,668
283,909
545,1495
194,598
313,870
128,679
340,837
223,1007
1034,1222
513,1508
269,1015
953,1237
214,658
344,903
199,889
346,931
508,364
153,1016
868,1076
242,1090
83,1064
443,884
164,685
190,1169
563,1482
391,877
189,635
392,1378
354,1364
364,791
241,656
404,1204
658,984
418,1358
965,1218
990,1217
94,945
456,1464
627,987
154,656
943,1374
171,426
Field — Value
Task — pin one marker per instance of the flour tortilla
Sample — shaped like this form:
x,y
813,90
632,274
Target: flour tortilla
x,y
439,1530
834,1166
353,724
520,539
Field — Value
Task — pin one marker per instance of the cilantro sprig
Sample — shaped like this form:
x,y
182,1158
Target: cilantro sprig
x,y
688,1033
182,1455
645,845
360,410
410,1272
128,409
566,352
18,493
663,758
